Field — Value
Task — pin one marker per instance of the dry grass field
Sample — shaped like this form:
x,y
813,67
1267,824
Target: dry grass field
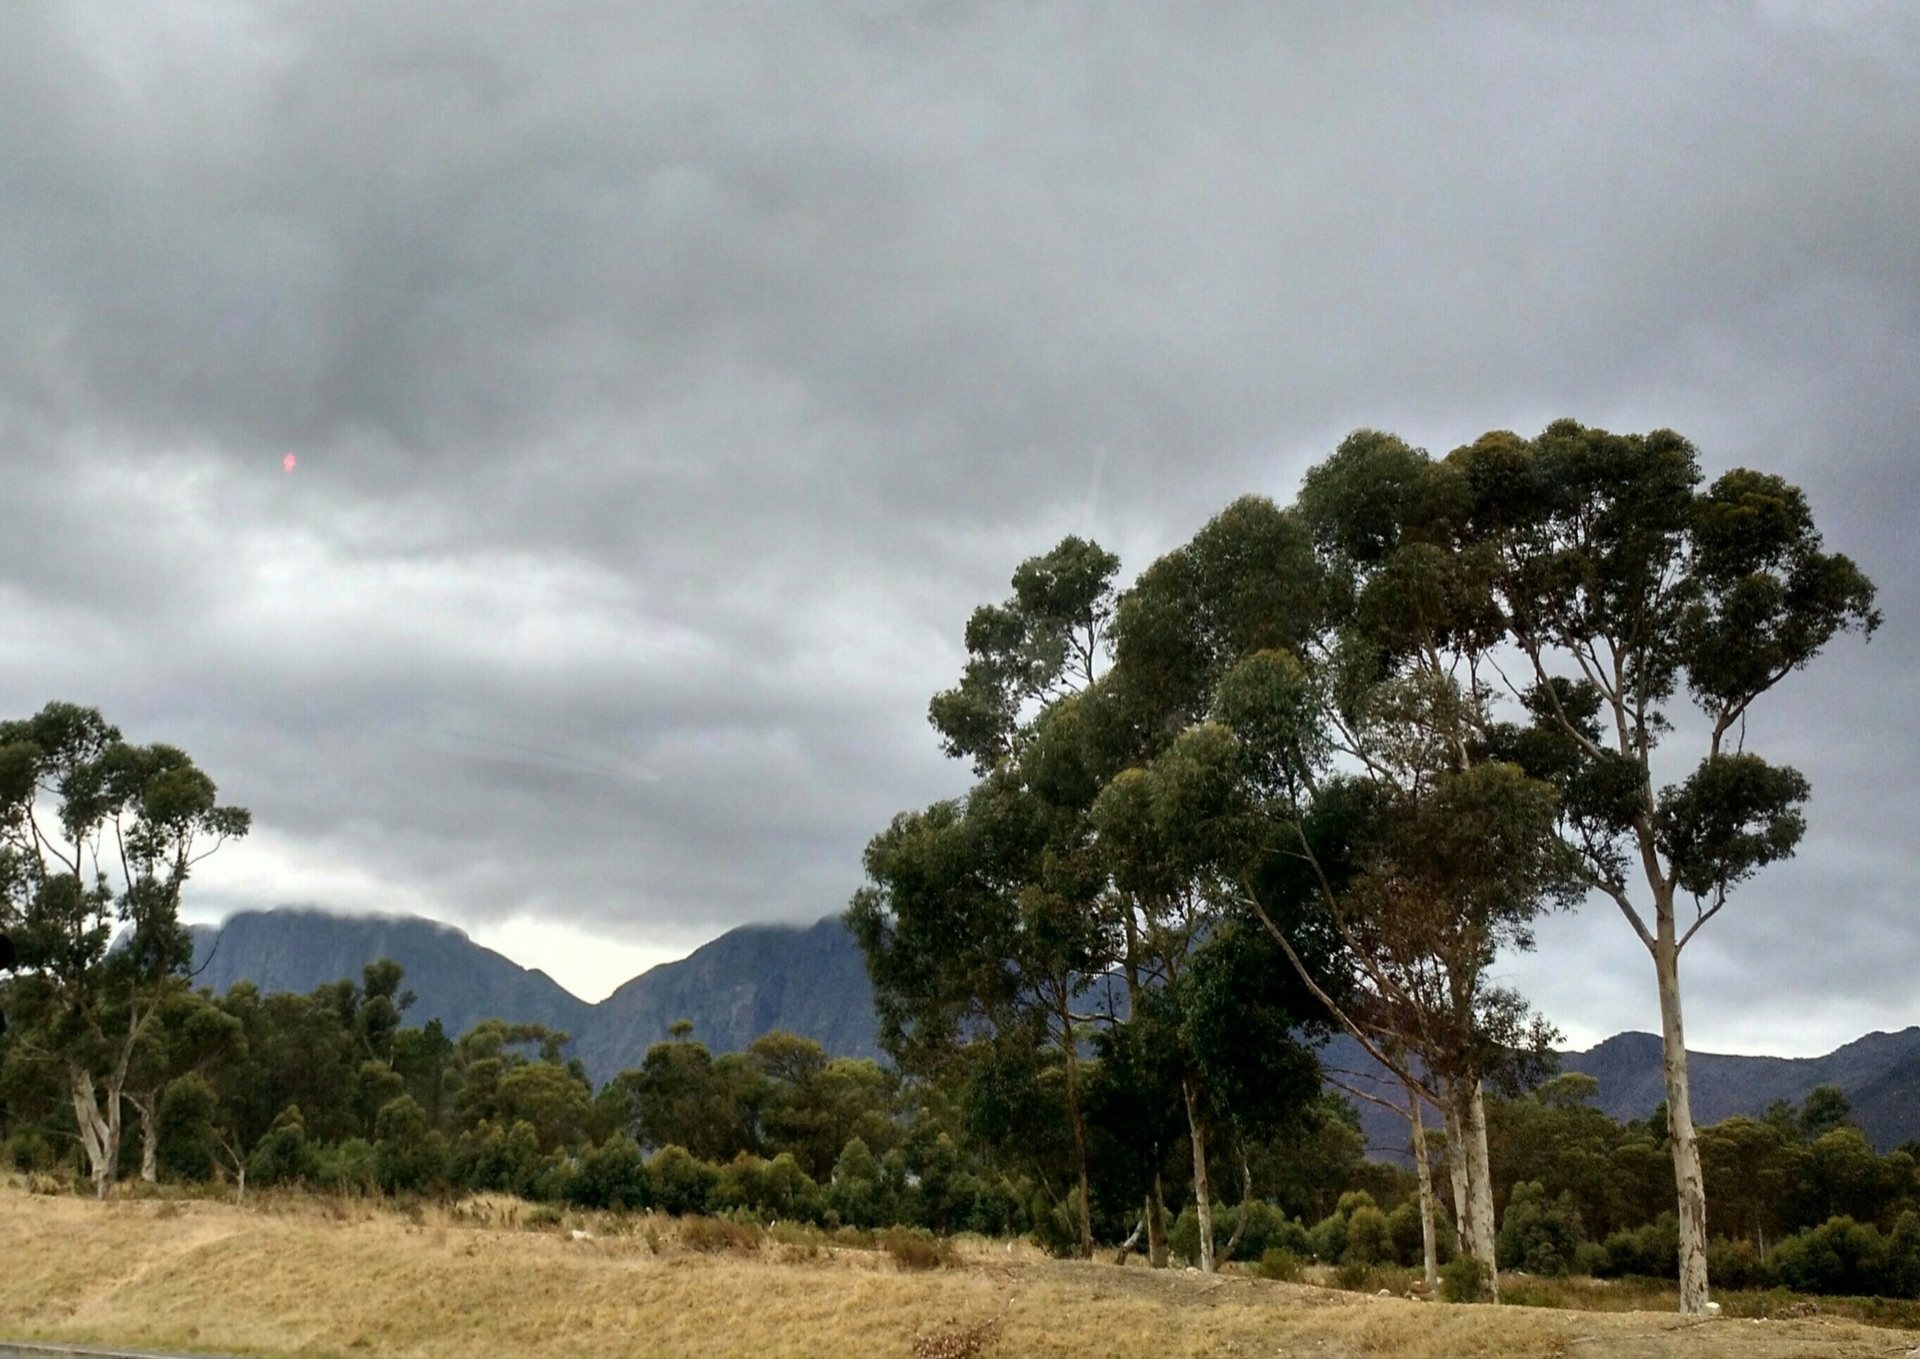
x,y
297,1275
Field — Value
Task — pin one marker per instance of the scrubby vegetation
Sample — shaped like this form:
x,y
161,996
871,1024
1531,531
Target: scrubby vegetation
x,y
792,1141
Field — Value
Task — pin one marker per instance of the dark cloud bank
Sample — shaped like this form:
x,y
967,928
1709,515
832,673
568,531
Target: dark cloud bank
x,y
667,382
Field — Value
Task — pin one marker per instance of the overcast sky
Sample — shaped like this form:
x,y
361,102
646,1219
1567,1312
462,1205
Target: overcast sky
x,y
667,382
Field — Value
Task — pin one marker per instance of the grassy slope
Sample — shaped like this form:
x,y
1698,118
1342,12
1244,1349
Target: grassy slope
x,y
299,1276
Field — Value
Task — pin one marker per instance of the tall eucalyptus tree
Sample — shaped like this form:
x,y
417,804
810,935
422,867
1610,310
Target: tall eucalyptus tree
x,y
97,835
1620,582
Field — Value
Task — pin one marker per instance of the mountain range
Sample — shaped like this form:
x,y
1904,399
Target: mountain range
x,y
811,980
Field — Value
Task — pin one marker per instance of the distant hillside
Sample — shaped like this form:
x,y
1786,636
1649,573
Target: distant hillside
x,y
810,980
456,980
1879,1073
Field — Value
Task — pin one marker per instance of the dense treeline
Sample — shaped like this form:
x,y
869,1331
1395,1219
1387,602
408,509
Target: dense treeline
x,y
331,1091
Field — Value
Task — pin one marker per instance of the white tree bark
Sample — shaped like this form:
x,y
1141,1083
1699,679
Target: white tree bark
x,y
1202,1189
1429,1247
145,1106
1457,1174
1480,1185
99,1128
1689,1183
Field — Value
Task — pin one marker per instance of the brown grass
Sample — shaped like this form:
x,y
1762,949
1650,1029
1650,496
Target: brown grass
x,y
295,1275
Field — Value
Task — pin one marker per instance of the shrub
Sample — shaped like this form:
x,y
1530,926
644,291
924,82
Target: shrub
x,y
1847,1257
776,1188
858,1189
1651,1251
282,1156
1464,1279
1735,1265
714,1235
1540,1235
1267,1228
349,1168
917,1248
498,1157
1369,1240
28,1151
1056,1224
1279,1263
406,1156
612,1175
1330,1233
1353,1275
681,1184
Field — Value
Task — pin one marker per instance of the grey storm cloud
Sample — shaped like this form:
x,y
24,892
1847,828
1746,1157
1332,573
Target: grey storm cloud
x,y
667,382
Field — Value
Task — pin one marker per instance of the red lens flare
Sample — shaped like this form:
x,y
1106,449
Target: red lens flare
x,y
289,462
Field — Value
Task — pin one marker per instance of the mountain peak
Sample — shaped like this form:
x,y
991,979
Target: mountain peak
x,y
806,978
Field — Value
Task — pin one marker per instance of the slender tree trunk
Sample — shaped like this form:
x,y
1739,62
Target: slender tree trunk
x,y
1457,1175
1246,1210
99,1128
1157,1226
1202,1189
144,1106
1429,1247
1687,1178
1079,1137
1480,1185
1133,1238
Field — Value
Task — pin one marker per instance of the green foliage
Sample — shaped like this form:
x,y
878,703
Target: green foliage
x,y
1649,1251
1464,1279
407,1156
282,1156
682,1183
612,1175
1280,1263
1538,1234
1848,1257
188,1109
1369,1239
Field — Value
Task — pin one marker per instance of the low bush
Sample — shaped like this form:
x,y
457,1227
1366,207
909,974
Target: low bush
x,y
1538,1234
1651,1251
1846,1257
917,1248
720,1235
1280,1263
1464,1279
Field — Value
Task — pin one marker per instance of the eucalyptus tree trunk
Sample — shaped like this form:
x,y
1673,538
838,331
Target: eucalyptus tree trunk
x,y
1457,1175
1688,1181
1467,1162
145,1106
1157,1226
1202,1189
1429,1247
99,1128
1079,1134
1480,1185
